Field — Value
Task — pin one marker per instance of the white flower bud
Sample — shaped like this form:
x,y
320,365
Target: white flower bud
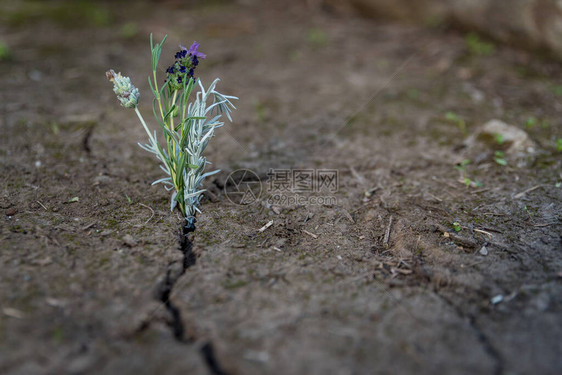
x,y
126,92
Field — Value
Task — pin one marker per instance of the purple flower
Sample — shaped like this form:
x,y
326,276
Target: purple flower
x,y
193,50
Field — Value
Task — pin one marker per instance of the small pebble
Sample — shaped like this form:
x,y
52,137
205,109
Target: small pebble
x,y
483,251
11,211
497,299
129,240
102,179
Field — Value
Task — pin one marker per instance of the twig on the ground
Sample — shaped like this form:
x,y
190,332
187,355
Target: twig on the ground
x,y
151,210
348,216
435,197
483,232
41,204
13,313
355,174
544,225
310,234
519,195
387,234
269,223
462,241
211,196
90,225
479,191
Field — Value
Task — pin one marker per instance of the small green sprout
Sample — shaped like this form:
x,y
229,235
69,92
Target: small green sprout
x,y
499,138
526,209
469,183
476,46
457,120
462,165
499,158
559,144
531,122
317,37
55,127
413,94
5,53
456,226
260,110
556,90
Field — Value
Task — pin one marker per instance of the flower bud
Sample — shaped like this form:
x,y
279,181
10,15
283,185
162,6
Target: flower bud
x,y
127,94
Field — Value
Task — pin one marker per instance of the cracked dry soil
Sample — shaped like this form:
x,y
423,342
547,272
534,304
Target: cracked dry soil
x,y
92,279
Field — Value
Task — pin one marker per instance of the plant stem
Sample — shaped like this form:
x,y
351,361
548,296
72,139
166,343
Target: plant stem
x,y
144,125
172,119
173,157
153,141
158,95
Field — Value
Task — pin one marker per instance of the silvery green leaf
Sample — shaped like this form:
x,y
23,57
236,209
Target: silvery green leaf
x,y
208,135
189,195
210,173
163,180
165,169
210,108
173,202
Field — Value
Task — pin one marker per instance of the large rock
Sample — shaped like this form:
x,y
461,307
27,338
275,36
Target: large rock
x,y
496,135
514,140
532,23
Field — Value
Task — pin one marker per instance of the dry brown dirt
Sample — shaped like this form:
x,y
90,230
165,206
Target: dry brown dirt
x,y
377,282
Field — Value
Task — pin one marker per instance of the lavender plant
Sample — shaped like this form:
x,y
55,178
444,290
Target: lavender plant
x,y
187,126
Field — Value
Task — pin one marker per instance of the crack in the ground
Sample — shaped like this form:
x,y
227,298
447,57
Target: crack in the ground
x,y
480,335
208,353
425,276
164,291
